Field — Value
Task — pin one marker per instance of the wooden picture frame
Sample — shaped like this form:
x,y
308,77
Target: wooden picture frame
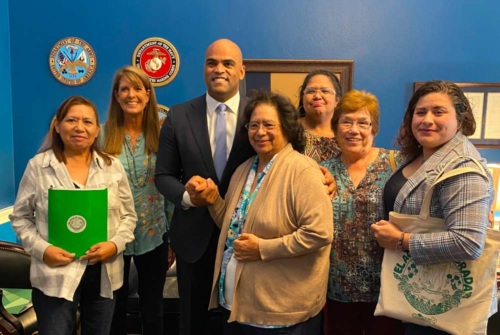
x,y
286,75
484,99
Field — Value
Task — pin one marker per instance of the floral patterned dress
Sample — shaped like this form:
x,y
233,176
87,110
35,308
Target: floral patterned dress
x,y
149,203
356,257
320,148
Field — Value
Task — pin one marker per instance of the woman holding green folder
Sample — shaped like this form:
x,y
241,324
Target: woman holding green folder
x,y
69,159
131,133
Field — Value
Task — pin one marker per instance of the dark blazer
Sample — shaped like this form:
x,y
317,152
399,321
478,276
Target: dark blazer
x,y
184,151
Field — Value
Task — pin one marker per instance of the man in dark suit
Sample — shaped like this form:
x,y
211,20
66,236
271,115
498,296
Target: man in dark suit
x,y
187,148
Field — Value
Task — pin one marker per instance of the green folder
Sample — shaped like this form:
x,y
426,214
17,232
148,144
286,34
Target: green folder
x,y
78,218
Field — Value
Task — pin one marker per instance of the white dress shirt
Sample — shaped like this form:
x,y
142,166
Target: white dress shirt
x,y
231,113
231,120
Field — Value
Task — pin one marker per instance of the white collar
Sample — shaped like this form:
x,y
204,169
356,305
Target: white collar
x,y
233,104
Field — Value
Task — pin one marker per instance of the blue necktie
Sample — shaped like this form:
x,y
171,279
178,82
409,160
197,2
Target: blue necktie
x,y
220,155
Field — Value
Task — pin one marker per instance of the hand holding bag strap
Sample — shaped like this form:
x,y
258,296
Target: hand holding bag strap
x,y
476,303
425,208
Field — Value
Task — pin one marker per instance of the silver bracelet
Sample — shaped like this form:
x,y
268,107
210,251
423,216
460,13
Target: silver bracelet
x,y
399,245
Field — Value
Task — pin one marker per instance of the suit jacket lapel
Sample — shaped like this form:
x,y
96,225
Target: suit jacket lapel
x,y
238,141
427,175
197,118
412,183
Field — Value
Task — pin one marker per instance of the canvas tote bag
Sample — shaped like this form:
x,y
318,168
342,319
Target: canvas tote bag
x,y
455,297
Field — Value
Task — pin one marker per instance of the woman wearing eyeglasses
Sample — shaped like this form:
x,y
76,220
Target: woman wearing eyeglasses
x,y
272,259
360,172
318,97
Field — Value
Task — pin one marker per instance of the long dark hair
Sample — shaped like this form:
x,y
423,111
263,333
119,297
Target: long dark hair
x,y
333,78
465,118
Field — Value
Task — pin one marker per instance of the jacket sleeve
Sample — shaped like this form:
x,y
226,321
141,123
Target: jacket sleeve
x,y
168,164
464,202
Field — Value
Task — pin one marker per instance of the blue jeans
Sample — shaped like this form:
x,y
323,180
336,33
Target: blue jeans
x,y
57,316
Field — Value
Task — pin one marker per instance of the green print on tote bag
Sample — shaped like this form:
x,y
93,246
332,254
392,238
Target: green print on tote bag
x,y
451,296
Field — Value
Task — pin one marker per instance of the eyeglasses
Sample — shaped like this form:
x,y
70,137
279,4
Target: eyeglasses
x,y
362,124
322,91
255,126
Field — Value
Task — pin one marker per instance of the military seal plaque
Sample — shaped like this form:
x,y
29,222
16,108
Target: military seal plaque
x,y
158,58
163,109
72,61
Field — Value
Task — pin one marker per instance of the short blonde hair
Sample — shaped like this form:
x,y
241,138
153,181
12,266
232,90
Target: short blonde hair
x,y
353,101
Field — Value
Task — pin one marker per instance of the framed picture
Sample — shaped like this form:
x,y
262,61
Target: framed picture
x,y
484,99
286,76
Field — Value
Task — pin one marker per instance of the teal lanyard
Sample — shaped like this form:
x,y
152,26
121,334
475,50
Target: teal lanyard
x,y
247,198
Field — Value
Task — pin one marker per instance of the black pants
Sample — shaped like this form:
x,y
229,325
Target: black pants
x,y
195,286
151,271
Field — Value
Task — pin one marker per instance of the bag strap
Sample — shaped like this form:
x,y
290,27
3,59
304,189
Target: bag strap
x,y
426,204
392,160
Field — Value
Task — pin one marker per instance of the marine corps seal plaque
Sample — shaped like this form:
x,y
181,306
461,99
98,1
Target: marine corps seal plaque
x,y
158,58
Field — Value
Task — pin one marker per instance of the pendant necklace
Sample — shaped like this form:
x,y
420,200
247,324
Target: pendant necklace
x,y
132,171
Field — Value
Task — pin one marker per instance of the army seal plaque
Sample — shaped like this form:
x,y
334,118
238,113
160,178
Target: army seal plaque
x,y
158,58
72,61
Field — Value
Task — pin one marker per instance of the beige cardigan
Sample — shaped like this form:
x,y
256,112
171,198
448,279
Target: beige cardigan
x,y
292,216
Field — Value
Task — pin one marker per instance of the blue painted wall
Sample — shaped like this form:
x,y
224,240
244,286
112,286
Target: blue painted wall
x,y
392,42
6,139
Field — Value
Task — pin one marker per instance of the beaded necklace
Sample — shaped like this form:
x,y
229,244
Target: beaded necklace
x,y
133,178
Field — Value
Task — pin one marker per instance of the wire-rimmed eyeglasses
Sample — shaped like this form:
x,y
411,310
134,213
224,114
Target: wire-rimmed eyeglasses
x,y
362,124
322,91
255,126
